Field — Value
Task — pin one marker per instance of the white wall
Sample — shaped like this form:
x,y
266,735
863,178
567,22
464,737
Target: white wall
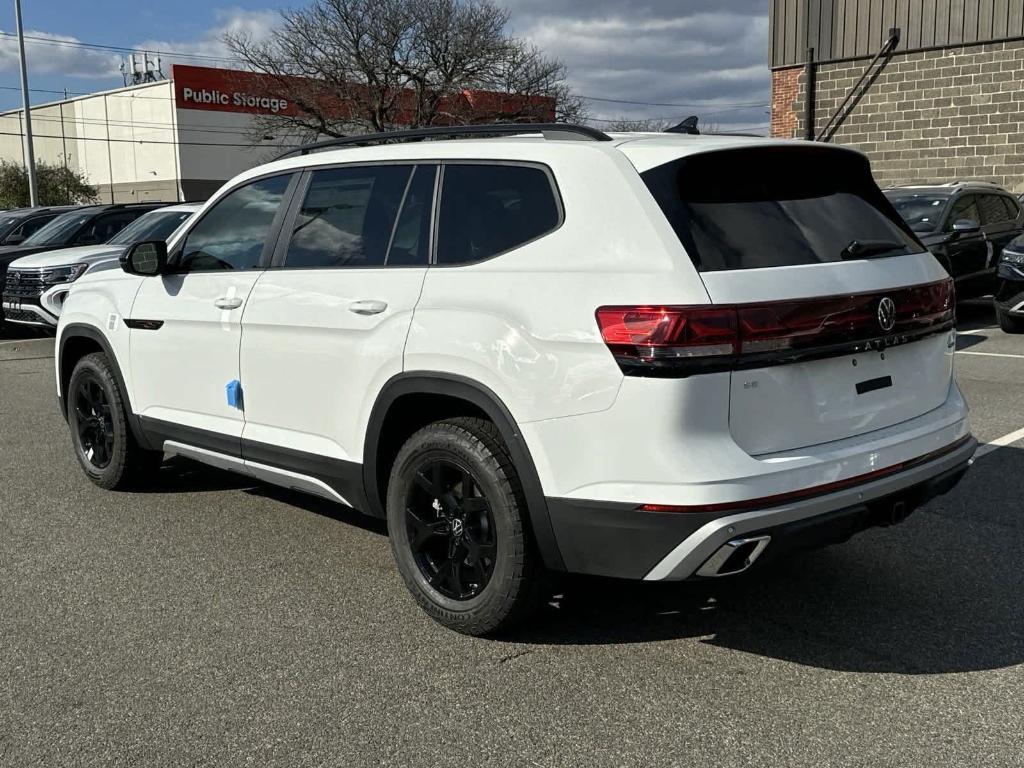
x,y
122,140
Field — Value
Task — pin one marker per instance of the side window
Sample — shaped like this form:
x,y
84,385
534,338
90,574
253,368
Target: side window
x,y
347,217
102,228
1012,209
231,235
410,243
31,226
490,209
992,209
964,208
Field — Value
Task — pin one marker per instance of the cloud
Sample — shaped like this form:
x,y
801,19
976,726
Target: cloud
x,y
257,23
64,55
57,57
710,57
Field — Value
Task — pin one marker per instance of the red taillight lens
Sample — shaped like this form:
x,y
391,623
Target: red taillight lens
x,y
664,340
669,332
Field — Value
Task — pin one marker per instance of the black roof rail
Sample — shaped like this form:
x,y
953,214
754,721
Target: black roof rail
x,y
547,130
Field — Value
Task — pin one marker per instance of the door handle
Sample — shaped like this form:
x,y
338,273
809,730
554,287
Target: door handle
x,y
368,307
228,302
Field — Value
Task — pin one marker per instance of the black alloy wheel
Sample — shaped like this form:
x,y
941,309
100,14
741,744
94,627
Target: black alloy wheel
x,y
457,518
451,529
94,422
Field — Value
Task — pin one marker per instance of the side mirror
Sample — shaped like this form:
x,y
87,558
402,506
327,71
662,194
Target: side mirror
x,y
147,258
963,227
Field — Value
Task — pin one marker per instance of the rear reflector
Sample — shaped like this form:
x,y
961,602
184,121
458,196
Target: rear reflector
x,y
673,340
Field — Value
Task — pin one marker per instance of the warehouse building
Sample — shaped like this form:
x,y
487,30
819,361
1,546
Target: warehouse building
x,y
948,105
179,138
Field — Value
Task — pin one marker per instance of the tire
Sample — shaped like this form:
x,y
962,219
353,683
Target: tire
x,y
482,576
104,445
1009,323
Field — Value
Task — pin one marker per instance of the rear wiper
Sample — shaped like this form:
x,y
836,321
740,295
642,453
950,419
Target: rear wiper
x,y
866,249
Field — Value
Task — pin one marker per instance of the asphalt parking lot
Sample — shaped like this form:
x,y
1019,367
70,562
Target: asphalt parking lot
x,y
209,621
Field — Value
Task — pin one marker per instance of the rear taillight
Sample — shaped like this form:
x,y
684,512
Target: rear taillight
x,y
670,340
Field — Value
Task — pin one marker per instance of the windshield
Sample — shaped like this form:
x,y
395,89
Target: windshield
x,y
61,230
157,225
753,208
922,212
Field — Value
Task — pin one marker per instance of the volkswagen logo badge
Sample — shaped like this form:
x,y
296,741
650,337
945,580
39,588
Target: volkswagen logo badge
x,y
887,313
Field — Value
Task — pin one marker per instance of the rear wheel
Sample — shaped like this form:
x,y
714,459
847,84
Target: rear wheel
x,y
97,416
1009,323
456,516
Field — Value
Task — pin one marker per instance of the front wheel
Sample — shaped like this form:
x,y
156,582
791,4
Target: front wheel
x,y
1009,323
457,521
97,416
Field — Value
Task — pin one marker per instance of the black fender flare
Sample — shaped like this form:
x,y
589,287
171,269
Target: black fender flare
x,y
451,385
81,330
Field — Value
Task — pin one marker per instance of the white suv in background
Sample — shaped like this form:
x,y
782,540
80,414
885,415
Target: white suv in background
x,y
647,356
38,285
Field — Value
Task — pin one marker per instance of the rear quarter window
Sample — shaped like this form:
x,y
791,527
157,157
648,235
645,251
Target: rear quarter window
x,y
488,209
758,207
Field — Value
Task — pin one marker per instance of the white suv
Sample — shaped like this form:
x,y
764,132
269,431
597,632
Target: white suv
x,y
646,356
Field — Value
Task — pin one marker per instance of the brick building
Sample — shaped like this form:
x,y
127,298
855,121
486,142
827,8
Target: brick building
x,y
949,105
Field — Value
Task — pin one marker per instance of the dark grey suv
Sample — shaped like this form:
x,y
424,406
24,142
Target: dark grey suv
x,y
966,225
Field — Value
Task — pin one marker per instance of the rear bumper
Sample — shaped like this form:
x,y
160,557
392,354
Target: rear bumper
x,y
614,539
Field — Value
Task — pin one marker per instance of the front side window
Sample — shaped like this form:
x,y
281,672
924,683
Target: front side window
x,y
234,231
489,209
964,209
348,217
758,208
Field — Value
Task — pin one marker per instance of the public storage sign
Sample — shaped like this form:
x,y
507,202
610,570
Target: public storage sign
x,y
227,90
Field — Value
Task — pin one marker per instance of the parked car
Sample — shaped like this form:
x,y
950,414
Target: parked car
x,y
609,354
966,224
38,285
18,224
88,225
1009,298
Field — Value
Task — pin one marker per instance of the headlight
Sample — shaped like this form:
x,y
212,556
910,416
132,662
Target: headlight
x,y
68,274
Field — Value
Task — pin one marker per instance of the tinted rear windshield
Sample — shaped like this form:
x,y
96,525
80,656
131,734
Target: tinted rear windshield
x,y
778,206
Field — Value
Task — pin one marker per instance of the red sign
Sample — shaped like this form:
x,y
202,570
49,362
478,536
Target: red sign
x,y
227,90
232,90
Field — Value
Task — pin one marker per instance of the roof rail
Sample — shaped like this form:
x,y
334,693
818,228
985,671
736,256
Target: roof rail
x,y
547,130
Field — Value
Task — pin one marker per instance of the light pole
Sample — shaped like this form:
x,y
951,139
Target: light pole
x,y
30,157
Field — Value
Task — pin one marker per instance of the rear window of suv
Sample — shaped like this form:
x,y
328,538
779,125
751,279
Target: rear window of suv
x,y
752,208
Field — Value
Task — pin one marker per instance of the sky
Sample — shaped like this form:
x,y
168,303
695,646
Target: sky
x,y
664,59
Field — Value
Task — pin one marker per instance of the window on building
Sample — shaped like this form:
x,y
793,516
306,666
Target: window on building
x,y
347,217
233,232
489,209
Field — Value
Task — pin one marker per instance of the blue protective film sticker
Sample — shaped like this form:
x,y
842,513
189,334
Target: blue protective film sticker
x,y
234,392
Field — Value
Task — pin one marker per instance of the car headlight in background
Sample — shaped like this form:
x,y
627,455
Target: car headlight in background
x,y
66,274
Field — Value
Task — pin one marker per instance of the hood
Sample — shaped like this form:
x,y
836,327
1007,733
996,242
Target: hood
x,y
933,238
9,253
80,254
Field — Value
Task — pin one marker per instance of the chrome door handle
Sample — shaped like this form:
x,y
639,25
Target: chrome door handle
x,y
228,302
368,307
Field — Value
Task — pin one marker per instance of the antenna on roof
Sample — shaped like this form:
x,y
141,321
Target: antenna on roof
x,y
688,126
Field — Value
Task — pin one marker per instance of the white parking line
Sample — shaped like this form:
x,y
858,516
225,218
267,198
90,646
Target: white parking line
x,y
999,442
989,354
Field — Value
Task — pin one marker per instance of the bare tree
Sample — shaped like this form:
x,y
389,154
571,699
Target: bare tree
x,y
348,66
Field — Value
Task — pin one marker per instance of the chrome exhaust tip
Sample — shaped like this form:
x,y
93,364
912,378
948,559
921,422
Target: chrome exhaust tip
x,y
734,556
